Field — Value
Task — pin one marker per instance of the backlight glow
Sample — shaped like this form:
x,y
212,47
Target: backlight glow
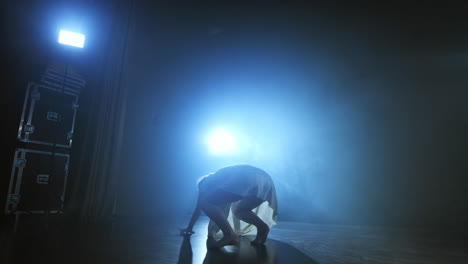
x,y
221,141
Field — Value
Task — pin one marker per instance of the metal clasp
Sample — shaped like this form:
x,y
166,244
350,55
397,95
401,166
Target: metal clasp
x,y
20,163
14,200
29,129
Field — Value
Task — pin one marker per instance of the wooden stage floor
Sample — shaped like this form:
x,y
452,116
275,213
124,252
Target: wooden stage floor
x,y
291,243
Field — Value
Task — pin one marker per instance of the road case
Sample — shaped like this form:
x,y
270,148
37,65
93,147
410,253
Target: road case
x,y
50,108
48,116
38,182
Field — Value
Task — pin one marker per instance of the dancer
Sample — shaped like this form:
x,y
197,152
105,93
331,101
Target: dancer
x,y
236,199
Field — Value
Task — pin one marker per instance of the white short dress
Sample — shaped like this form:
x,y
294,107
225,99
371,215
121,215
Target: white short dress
x,y
243,180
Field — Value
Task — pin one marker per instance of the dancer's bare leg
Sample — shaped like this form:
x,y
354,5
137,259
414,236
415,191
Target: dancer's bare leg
x,y
216,213
243,211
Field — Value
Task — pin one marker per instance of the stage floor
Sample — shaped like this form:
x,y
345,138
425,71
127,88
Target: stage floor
x,y
291,243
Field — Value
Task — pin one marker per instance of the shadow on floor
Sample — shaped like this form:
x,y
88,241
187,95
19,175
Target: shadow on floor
x,y
273,251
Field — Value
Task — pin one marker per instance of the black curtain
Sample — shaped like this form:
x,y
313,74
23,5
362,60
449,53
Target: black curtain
x,y
96,162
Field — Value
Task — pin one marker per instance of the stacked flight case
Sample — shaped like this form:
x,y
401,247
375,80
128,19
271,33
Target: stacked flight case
x,y
39,172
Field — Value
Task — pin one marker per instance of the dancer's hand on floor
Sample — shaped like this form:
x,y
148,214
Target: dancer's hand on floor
x,y
186,232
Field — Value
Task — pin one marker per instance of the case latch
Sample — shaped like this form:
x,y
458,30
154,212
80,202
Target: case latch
x,y
20,163
14,201
29,129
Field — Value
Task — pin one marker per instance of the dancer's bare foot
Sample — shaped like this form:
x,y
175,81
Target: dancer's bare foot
x,y
226,241
262,234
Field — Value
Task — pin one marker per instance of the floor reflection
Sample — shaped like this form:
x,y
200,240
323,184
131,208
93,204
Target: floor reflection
x,y
135,242
273,251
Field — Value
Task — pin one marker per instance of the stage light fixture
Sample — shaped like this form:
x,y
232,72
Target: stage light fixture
x,y
71,38
222,141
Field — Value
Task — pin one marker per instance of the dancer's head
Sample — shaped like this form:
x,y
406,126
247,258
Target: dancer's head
x,y
201,182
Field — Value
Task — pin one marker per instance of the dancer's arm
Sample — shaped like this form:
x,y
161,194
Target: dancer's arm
x,y
193,220
195,215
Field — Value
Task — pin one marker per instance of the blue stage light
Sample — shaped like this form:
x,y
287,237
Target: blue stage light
x,y
222,141
71,38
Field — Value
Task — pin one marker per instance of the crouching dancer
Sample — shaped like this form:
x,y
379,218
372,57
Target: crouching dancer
x,y
236,199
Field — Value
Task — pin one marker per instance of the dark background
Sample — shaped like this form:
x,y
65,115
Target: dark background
x,y
357,111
